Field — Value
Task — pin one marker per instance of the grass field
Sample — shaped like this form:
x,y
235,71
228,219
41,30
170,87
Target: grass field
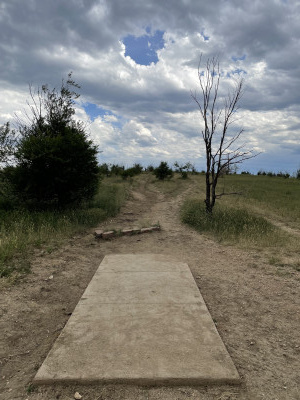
x,y
247,219
250,217
21,230
275,197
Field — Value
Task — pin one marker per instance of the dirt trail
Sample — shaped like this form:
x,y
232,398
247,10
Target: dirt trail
x,y
256,311
281,225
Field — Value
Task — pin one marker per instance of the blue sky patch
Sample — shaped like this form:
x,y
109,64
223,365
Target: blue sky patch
x,y
205,37
143,49
237,71
235,58
94,111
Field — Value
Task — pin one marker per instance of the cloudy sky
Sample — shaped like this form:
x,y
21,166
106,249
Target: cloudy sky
x,y
136,62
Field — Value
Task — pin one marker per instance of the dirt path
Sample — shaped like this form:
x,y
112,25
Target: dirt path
x,y
256,311
281,225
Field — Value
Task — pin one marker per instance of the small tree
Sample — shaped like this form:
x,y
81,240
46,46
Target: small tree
x,y
163,171
56,162
222,150
183,169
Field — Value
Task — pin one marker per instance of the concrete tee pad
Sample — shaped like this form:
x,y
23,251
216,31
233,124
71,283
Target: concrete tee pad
x,y
143,321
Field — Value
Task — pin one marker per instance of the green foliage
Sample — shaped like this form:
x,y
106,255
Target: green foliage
x,y
128,173
271,174
31,388
150,168
298,174
227,223
260,172
7,142
8,198
285,175
138,168
183,169
117,169
22,229
104,169
131,172
163,171
56,163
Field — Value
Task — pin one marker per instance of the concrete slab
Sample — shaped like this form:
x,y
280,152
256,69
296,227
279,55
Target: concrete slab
x,y
141,320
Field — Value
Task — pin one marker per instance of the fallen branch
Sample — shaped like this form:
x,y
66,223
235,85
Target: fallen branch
x,y
218,196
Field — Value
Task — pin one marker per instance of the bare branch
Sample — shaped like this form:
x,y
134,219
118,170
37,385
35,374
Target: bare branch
x,y
218,196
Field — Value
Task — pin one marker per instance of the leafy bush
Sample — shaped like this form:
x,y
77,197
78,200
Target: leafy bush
x,y
127,173
116,169
163,171
131,172
138,169
150,168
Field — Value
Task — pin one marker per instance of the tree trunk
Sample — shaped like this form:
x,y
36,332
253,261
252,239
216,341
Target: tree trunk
x,y
208,193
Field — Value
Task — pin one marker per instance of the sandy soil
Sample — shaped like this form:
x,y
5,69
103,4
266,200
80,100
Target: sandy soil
x,y
256,311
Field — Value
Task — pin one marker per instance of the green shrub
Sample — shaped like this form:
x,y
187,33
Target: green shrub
x,y
150,168
55,171
104,169
163,171
55,162
131,172
138,169
117,169
183,169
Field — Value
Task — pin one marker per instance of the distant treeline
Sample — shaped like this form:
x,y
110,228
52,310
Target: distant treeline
x,y
163,171
107,170
278,174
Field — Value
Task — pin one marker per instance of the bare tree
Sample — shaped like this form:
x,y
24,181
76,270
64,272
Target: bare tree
x,y
221,143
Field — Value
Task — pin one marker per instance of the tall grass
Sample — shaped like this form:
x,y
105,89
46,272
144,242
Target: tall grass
x,y
21,230
231,225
